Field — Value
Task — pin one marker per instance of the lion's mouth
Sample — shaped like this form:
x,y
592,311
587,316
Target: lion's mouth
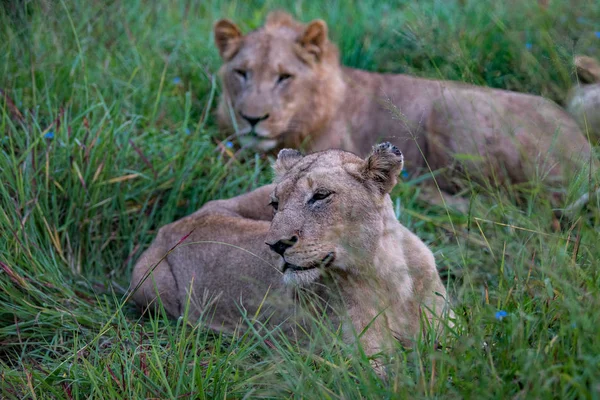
x,y
254,140
324,263
254,134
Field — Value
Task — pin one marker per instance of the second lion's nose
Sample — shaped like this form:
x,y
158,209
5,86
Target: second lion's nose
x,y
253,121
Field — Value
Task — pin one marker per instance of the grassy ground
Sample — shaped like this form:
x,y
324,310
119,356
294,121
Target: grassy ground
x,y
110,133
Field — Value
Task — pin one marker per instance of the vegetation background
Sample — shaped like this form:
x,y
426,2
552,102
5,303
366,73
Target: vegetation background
x,y
107,132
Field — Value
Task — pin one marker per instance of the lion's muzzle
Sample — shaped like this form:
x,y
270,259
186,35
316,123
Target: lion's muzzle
x,y
324,263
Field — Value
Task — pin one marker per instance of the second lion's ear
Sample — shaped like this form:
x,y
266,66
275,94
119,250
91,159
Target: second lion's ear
x,y
228,38
286,159
383,166
314,38
588,69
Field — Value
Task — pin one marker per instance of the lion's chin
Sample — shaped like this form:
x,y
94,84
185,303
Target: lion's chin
x,y
258,143
294,275
302,277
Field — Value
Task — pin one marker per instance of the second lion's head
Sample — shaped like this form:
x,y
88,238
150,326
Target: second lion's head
x,y
280,82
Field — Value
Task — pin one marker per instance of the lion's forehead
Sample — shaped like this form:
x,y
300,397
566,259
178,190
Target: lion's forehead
x,y
289,33
333,174
267,51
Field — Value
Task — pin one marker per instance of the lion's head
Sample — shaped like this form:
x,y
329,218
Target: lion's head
x,y
330,210
280,82
583,100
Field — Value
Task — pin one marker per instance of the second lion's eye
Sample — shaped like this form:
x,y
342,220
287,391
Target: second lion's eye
x,y
274,204
283,77
241,73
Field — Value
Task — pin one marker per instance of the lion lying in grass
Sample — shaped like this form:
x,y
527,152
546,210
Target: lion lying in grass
x,y
330,229
583,100
283,86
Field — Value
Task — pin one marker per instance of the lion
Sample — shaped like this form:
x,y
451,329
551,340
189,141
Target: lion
x,y
283,86
329,228
583,100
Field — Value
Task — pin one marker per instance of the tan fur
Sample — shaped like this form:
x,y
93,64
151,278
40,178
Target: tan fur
x,y
583,100
509,136
340,238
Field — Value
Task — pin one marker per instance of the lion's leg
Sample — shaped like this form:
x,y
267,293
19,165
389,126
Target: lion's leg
x,y
376,337
245,213
159,281
253,205
368,321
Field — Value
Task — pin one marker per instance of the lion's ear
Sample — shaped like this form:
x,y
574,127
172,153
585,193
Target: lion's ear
x,y
588,69
383,166
314,38
286,159
227,37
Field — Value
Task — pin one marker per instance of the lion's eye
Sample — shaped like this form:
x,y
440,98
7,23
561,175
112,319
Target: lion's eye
x,y
283,77
274,204
241,73
320,195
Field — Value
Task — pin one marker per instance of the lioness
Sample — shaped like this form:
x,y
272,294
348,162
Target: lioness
x,y
283,86
331,230
583,100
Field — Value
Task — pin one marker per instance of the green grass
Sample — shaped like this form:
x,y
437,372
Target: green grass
x,y
135,148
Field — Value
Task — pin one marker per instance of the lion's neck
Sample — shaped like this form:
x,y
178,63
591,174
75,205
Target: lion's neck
x,y
382,296
335,91
390,261
372,105
329,130
387,272
347,123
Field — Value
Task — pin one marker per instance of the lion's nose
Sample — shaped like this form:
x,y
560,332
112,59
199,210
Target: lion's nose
x,y
253,121
282,245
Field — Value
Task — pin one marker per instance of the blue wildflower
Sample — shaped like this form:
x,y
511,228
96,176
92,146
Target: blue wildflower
x,y
176,80
597,33
49,135
187,131
404,173
501,314
528,46
228,144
